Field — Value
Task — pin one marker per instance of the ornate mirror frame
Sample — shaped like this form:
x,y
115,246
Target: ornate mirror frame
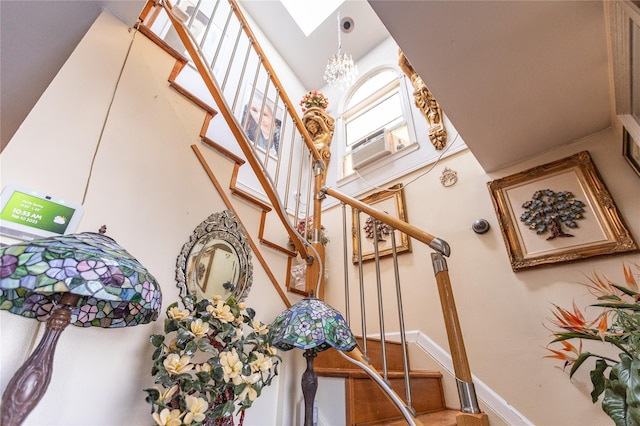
x,y
214,241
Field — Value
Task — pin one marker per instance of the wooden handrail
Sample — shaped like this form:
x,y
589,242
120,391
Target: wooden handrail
x,y
402,226
237,132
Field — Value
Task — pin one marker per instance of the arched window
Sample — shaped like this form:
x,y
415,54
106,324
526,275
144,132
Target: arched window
x,y
376,120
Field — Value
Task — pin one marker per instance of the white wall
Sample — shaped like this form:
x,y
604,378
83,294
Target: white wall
x,y
151,192
501,312
411,158
148,187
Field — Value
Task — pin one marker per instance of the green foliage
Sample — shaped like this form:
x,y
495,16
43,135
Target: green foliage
x,y
209,363
617,324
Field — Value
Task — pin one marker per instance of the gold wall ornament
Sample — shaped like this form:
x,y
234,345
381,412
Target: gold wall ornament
x,y
427,103
320,126
449,177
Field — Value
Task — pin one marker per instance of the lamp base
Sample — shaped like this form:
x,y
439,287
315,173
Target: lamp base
x,y
30,382
309,387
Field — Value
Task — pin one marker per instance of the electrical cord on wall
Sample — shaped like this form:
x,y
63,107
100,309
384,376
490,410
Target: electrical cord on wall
x,y
414,179
106,118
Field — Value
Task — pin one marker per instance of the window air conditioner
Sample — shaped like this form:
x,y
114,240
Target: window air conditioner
x,y
370,149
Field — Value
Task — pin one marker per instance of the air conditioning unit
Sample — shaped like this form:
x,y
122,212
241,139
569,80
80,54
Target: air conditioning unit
x,y
370,149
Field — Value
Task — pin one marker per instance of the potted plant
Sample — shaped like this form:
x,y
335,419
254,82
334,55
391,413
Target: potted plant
x,y
305,229
210,363
312,99
617,324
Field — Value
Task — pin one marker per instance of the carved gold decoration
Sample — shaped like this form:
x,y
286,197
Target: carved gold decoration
x,y
426,103
320,126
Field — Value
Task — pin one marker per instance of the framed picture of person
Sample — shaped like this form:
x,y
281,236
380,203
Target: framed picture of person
x,y
261,120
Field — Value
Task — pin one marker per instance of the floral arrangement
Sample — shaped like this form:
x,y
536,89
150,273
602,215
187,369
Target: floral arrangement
x,y
305,229
314,99
210,363
618,324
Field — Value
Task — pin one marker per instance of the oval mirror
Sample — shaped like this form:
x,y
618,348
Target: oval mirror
x,y
215,261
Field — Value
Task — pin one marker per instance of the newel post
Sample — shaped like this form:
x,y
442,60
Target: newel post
x,y
315,275
470,412
320,126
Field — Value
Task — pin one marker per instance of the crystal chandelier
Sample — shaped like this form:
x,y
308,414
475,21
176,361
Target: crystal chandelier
x,y
340,72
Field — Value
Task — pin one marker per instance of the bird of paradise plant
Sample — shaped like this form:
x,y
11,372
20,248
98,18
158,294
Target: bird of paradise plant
x,y
618,324
210,362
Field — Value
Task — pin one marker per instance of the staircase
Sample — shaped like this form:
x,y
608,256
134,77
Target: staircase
x,y
397,395
367,404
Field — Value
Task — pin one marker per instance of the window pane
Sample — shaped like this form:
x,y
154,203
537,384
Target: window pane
x,y
399,137
386,113
371,86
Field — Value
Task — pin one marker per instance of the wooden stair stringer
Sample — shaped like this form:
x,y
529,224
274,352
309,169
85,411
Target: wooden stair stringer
x,y
266,208
181,62
210,113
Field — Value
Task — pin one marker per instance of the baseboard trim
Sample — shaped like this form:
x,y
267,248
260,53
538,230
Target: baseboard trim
x,y
490,398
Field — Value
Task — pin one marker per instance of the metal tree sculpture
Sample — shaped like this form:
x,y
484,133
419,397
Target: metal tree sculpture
x,y
548,210
381,229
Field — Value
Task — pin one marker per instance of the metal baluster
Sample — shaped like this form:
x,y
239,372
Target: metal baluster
x,y
209,24
298,193
288,180
244,68
363,313
271,142
224,31
346,263
233,55
403,339
259,120
383,342
196,9
247,112
309,191
283,128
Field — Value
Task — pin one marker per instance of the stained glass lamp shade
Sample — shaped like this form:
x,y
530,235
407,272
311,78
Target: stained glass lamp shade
x,y
314,326
83,279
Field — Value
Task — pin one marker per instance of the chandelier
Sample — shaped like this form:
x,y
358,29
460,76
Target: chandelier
x,y
340,72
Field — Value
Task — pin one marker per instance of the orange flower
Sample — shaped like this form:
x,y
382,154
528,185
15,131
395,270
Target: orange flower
x,y
629,278
603,326
564,353
599,287
572,321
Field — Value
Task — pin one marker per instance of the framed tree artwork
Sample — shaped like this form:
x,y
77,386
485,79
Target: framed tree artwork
x,y
390,201
558,212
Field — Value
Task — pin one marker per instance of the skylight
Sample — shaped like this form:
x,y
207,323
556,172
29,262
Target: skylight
x,y
309,14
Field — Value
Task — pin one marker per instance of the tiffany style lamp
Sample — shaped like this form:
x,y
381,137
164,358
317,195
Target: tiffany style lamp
x,y
313,326
83,279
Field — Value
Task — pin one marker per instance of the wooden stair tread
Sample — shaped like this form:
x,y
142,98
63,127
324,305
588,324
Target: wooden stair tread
x,y
445,417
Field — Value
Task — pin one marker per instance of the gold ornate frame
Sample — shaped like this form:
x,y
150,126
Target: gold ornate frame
x,y
601,232
390,201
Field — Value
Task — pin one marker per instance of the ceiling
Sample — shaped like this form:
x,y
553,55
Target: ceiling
x,y
36,38
515,78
